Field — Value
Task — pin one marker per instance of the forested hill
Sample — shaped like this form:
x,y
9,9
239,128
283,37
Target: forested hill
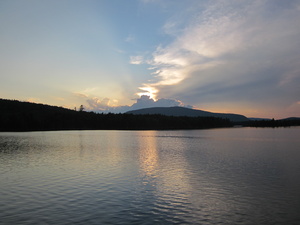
x,y
182,111
235,119
25,116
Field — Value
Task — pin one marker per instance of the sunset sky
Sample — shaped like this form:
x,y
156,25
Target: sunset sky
x,y
238,56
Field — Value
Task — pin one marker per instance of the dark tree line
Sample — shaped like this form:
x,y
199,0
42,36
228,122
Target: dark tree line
x,y
24,116
272,123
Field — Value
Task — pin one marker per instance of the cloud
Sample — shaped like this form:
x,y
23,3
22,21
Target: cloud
x,y
107,105
130,38
231,51
80,95
136,60
97,104
146,102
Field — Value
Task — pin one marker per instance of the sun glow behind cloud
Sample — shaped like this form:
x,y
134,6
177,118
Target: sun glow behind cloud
x,y
148,91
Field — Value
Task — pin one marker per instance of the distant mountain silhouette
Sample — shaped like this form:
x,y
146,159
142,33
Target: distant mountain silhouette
x,y
182,111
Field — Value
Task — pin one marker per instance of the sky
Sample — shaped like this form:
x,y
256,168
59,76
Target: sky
x,y
230,56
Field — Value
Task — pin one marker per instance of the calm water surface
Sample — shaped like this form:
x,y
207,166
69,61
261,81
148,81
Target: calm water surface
x,y
218,176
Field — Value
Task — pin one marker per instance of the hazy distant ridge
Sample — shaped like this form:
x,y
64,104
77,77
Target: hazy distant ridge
x,y
182,111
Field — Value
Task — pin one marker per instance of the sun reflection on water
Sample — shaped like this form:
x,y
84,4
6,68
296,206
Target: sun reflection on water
x,y
148,155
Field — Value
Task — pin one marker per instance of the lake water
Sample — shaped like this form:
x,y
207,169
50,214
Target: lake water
x,y
217,176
